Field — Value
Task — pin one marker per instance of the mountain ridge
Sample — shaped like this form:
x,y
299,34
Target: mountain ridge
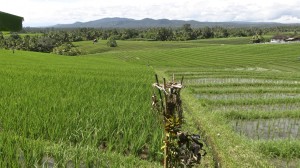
x,y
118,22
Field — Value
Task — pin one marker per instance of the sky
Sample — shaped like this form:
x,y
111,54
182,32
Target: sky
x,y
39,13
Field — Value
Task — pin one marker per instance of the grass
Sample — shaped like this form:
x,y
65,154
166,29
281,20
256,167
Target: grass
x,y
268,88
267,73
229,149
7,34
83,102
227,56
17,151
88,47
224,41
275,148
257,113
91,100
127,46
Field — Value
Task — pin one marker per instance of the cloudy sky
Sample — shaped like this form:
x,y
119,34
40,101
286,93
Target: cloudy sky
x,y
50,12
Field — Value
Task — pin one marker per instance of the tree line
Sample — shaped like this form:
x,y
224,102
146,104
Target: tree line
x,y
59,40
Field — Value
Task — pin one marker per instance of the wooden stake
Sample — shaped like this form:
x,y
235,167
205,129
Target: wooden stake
x,y
160,96
173,79
181,80
169,113
166,98
166,164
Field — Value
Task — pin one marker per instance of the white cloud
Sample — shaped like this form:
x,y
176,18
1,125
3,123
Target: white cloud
x,y
50,12
287,19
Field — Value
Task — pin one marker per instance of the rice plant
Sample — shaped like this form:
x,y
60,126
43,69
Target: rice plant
x,y
81,102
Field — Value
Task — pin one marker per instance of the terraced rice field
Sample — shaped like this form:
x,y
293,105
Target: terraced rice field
x,y
250,90
254,88
82,111
272,129
95,109
260,104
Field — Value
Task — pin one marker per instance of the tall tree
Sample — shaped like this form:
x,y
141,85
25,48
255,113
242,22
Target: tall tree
x,y
164,34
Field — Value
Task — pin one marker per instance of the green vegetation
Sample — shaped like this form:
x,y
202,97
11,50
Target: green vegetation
x,y
18,151
67,108
66,49
50,40
78,103
269,56
111,42
227,82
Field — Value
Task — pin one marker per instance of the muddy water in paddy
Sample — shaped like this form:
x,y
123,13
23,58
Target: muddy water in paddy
x,y
238,80
264,108
246,96
268,129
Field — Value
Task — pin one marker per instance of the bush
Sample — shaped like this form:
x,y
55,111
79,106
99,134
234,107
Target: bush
x,y
257,39
111,42
66,49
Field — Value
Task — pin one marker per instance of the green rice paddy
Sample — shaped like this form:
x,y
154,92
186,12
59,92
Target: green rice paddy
x,y
97,104
242,98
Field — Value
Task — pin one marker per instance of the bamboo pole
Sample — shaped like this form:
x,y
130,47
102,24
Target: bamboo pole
x,y
166,163
173,78
160,96
172,111
181,80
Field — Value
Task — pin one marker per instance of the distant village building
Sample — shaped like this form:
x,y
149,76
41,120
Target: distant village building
x,y
9,22
284,39
293,39
278,39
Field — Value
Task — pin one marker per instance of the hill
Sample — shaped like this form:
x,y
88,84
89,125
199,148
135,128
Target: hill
x,y
148,22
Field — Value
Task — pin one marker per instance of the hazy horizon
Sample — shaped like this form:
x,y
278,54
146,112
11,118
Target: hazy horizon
x,y
39,13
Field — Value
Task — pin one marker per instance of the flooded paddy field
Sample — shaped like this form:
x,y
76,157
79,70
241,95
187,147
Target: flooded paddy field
x,y
268,129
258,106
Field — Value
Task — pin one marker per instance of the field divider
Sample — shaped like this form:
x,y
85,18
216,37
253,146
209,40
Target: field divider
x,y
229,149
